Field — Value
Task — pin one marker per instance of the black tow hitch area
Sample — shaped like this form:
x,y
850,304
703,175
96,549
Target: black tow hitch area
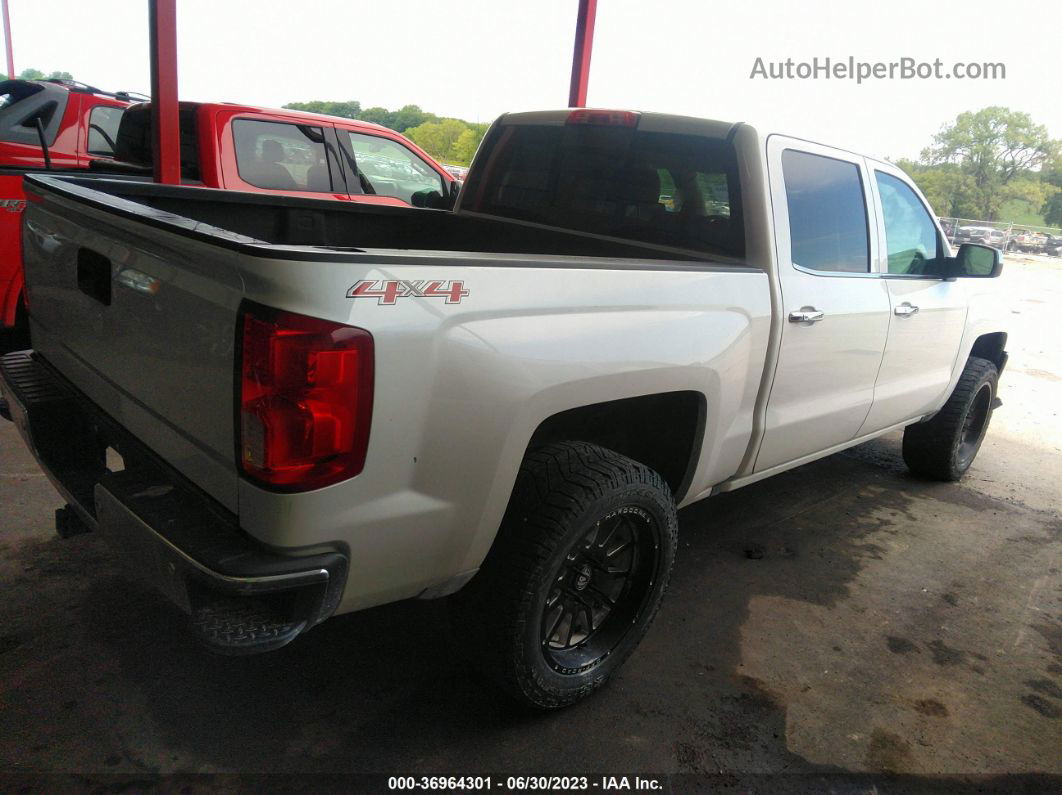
x,y
68,523
242,597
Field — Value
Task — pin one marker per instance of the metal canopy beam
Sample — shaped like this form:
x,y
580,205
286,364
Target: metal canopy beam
x,y
584,44
165,119
7,38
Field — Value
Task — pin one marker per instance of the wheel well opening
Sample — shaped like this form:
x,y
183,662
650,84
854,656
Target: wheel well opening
x,y
662,431
990,346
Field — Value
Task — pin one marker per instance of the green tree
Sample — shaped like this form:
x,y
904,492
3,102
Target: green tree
x,y
944,186
37,74
346,110
452,140
409,116
399,120
377,115
1051,176
996,151
439,138
1052,209
465,146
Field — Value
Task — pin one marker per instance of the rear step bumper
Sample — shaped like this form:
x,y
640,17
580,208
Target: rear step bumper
x,y
242,596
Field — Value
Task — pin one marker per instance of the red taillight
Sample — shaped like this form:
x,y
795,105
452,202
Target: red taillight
x,y
305,401
608,118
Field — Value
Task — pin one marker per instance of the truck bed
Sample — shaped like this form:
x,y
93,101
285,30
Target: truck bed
x,y
136,292
243,219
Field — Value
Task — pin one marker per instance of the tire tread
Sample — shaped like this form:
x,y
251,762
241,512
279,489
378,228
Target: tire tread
x,y
929,447
556,484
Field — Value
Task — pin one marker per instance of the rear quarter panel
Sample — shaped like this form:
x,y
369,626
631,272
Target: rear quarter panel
x,y
461,388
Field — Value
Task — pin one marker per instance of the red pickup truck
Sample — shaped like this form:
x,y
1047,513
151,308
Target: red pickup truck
x,y
60,125
223,145
260,150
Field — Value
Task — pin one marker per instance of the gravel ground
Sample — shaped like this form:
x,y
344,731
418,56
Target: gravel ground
x,y
843,618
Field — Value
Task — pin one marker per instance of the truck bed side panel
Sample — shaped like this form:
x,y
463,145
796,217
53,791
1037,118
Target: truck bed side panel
x,y
461,388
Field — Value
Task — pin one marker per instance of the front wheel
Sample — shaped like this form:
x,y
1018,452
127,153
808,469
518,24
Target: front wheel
x,y
944,447
575,576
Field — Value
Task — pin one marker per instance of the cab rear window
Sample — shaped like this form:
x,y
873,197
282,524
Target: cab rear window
x,y
22,103
679,191
132,142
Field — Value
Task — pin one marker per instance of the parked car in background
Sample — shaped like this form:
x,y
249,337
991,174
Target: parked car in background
x,y
984,235
223,145
293,153
325,406
1053,245
1022,240
457,172
60,125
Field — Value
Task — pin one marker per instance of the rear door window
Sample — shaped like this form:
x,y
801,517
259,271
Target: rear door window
x,y
679,191
827,213
279,156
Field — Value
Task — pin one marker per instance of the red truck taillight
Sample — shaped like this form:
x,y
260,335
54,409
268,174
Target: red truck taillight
x,y
305,399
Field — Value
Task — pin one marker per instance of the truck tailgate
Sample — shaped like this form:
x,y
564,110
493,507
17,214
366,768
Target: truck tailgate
x,y
143,322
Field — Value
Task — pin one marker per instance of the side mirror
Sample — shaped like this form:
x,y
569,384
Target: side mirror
x,y
976,261
428,198
423,198
434,200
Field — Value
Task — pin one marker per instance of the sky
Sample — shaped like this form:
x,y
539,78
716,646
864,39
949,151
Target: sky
x,y
476,59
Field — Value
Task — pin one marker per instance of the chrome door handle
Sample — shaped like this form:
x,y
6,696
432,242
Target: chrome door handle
x,y
905,309
806,314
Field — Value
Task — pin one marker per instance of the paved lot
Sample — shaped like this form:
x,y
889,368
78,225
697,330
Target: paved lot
x,y
841,617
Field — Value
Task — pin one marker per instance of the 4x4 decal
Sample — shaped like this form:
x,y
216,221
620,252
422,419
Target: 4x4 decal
x,y
388,292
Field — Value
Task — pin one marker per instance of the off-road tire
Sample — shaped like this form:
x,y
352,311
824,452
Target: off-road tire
x,y
563,492
944,447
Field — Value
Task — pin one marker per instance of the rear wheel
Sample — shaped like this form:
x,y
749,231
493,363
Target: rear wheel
x,y
944,447
576,574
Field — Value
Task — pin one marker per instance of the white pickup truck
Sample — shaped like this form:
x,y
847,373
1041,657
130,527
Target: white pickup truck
x,y
284,409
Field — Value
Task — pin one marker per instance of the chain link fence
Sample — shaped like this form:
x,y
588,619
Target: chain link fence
x,y
1008,236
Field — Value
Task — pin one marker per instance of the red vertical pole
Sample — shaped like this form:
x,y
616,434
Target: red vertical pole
x,y
7,38
584,44
165,119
